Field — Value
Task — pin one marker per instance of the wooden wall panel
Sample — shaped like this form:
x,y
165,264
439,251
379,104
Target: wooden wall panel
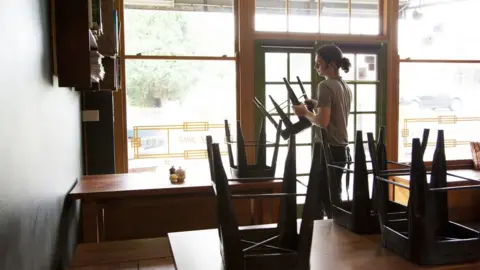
x,y
151,217
98,136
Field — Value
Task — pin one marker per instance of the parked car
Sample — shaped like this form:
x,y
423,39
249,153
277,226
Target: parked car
x,y
437,102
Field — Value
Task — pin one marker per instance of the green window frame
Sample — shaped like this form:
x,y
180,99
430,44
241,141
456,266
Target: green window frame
x,y
262,47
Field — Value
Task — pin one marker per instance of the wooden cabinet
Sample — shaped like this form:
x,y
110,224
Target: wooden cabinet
x,y
86,38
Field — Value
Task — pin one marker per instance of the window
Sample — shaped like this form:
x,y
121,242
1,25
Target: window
x,y
426,20
362,80
328,16
180,84
179,31
438,81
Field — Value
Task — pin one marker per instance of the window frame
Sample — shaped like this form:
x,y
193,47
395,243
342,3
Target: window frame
x,y
265,35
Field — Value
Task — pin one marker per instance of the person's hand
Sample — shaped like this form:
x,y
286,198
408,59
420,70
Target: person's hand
x,y
311,104
309,100
300,110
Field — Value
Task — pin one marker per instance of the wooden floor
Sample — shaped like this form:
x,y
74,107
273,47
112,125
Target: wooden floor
x,y
144,254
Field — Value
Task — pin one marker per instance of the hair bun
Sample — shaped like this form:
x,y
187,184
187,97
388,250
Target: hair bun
x,y
345,66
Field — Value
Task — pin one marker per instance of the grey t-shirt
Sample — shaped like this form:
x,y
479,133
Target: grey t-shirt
x,y
336,94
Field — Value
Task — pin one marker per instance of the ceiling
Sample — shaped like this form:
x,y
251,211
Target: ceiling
x,y
329,7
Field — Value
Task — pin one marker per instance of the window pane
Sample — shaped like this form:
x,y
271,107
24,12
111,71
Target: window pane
x,y
366,67
175,112
301,66
365,20
279,94
427,33
276,67
366,97
366,123
176,31
303,17
350,76
351,127
270,16
303,155
439,96
334,17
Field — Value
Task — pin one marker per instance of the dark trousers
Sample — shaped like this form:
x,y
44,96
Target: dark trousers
x,y
340,157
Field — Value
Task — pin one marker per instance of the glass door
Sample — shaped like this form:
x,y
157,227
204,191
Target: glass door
x,y
365,79
289,63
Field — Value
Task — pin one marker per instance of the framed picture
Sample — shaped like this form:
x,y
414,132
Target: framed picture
x,y
362,73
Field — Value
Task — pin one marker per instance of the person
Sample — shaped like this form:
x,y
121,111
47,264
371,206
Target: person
x,y
331,112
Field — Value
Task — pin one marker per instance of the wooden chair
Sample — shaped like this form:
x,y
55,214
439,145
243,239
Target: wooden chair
x,y
355,214
426,236
378,156
279,247
358,213
290,128
260,169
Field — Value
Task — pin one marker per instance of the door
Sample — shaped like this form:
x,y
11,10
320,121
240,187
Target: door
x,y
366,79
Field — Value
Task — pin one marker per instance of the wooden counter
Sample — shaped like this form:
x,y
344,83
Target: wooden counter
x,y
147,205
463,204
333,248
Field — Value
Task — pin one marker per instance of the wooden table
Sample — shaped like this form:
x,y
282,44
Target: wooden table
x,y
463,204
333,248
147,205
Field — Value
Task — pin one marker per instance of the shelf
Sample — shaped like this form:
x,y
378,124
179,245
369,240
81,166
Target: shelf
x,y
83,26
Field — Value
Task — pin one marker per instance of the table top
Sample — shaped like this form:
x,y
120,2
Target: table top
x,y
333,247
150,183
452,180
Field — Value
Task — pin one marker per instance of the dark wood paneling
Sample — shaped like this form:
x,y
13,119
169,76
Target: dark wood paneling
x,y
98,137
156,216
72,43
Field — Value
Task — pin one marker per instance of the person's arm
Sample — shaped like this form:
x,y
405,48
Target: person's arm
x,y
321,115
321,118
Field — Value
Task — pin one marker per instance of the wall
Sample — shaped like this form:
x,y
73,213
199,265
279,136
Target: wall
x,y
40,144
